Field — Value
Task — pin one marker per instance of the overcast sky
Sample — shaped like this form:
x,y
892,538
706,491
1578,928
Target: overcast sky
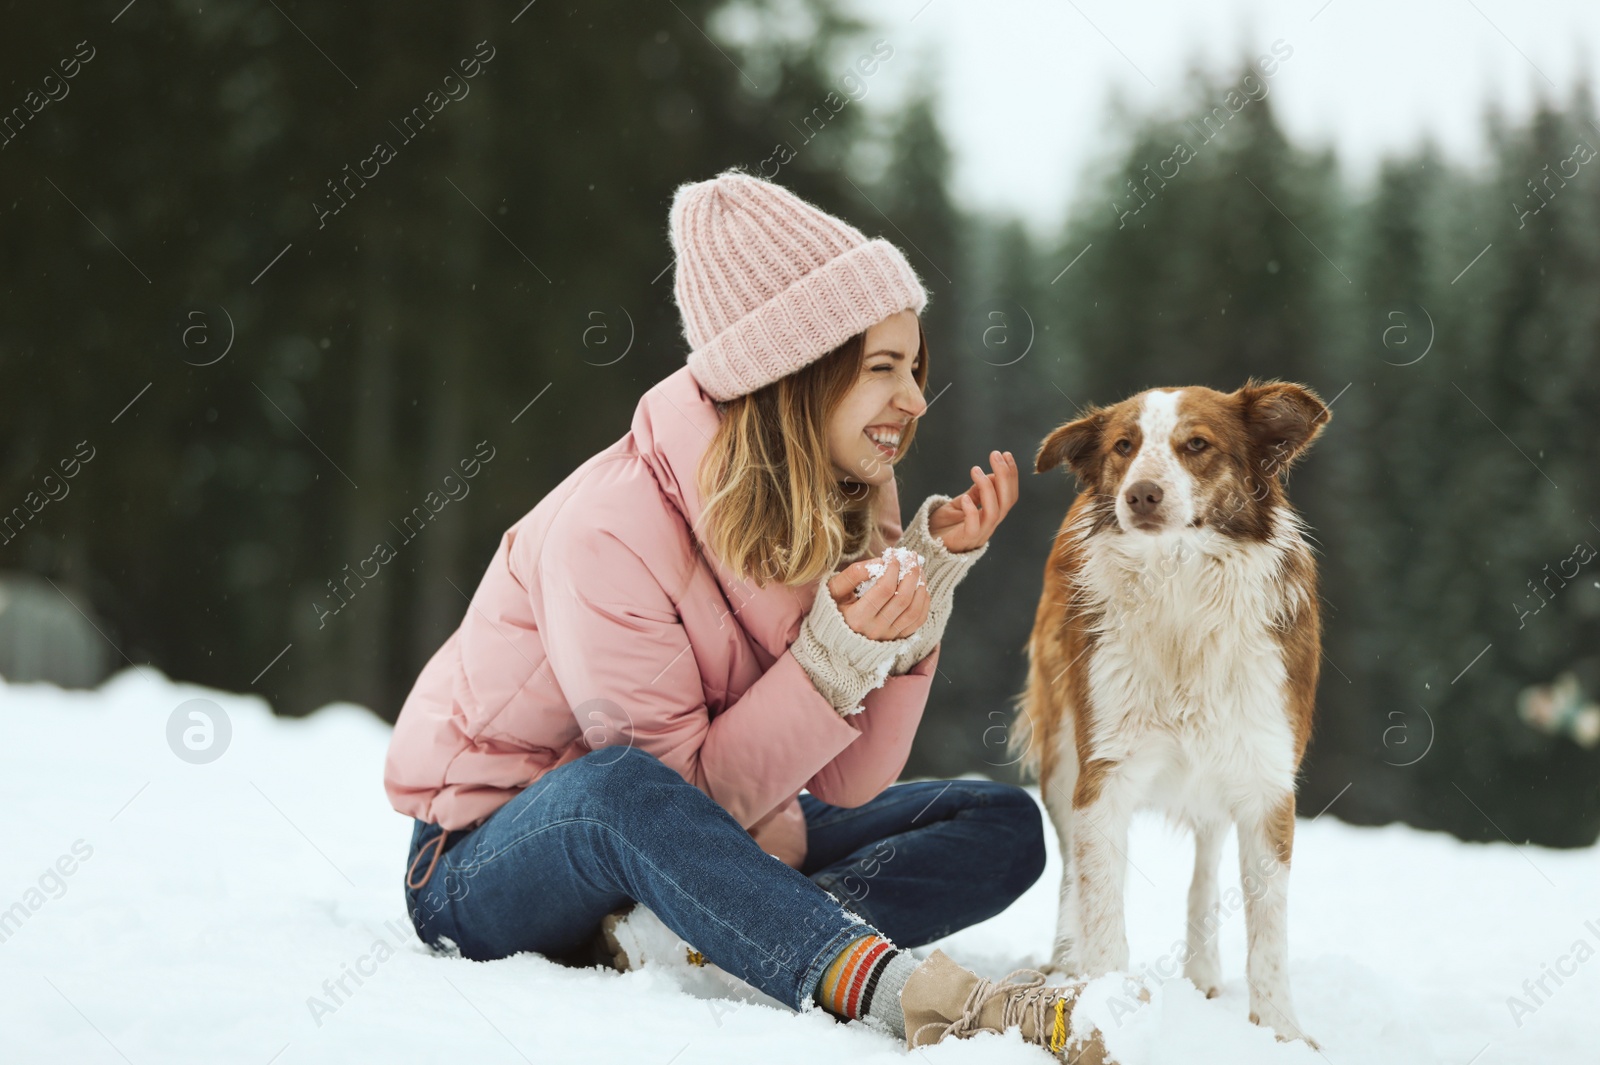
x,y
1025,83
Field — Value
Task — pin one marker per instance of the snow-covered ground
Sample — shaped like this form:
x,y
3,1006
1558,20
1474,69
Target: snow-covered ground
x,y
162,909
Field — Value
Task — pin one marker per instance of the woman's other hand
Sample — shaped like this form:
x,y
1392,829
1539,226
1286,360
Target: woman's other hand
x,y
967,521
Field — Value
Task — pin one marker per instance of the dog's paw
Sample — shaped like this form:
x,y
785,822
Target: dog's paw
x,y
1302,1037
1286,1032
1204,975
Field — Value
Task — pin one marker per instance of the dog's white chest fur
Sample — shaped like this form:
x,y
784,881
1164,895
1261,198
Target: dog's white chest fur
x,y
1186,677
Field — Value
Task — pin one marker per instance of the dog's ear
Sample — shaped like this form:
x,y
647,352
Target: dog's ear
x,y
1282,420
1075,443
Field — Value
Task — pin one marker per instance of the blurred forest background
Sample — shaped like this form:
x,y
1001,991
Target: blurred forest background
x,y
500,286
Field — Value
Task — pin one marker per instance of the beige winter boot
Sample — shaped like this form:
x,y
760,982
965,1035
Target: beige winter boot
x,y
943,999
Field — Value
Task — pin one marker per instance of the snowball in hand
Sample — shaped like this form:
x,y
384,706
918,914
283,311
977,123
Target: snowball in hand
x,y
904,555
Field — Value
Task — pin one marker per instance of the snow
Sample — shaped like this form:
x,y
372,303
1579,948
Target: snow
x,y
907,558
185,910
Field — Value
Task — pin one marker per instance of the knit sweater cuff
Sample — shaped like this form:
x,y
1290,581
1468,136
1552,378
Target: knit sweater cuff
x,y
842,664
944,570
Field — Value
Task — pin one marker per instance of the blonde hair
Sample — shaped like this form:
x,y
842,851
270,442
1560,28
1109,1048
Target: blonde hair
x,y
774,506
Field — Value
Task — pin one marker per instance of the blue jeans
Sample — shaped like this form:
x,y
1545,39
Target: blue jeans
x,y
916,863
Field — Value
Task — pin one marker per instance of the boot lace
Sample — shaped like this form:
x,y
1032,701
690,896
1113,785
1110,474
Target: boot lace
x,y
1026,996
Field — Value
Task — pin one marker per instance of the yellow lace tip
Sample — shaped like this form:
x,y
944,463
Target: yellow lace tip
x,y
1058,1035
696,958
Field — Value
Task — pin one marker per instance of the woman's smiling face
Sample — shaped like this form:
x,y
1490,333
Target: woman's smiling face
x,y
883,401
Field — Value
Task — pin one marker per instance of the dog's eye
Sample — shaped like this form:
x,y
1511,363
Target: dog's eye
x,y
1198,444
1123,446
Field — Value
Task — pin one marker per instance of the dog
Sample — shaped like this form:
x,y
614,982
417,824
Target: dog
x,y
1173,665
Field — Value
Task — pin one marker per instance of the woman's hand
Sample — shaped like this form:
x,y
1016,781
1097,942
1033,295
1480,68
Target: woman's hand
x,y
892,608
967,521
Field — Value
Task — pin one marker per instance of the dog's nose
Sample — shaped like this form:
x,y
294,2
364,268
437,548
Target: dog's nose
x,y
1144,497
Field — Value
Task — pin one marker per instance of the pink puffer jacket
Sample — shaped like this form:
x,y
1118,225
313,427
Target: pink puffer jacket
x,y
600,623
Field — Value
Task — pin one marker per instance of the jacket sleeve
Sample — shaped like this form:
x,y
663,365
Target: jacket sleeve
x,y
622,658
893,712
889,724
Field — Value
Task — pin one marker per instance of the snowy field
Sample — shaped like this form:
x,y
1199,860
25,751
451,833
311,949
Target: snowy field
x,y
155,909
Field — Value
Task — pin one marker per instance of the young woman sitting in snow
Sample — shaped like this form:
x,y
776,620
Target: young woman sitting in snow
x,y
653,668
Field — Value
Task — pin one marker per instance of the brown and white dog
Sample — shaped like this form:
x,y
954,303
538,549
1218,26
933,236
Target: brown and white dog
x,y
1173,665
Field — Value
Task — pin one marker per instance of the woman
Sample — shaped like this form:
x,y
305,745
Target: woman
x,y
652,669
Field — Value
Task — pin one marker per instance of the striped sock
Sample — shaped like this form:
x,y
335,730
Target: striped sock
x,y
864,982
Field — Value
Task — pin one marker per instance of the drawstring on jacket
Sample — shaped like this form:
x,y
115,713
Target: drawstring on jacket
x,y
437,843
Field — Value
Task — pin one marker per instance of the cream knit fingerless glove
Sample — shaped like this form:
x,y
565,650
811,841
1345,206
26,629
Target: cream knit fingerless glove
x,y
943,572
845,665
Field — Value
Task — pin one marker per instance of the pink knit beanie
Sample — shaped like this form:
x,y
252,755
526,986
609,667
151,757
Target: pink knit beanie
x,y
768,283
